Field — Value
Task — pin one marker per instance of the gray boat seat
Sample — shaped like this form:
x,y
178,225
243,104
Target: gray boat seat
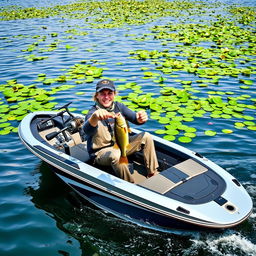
x,y
158,183
191,168
174,176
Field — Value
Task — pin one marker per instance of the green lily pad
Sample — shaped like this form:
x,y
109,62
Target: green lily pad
x,y
156,107
253,128
4,132
247,82
3,125
84,112
215,116
226,116
173,125
248,117
190,134
170,114
244,87
15,129
190,129
172,132
155,117
249,123
164,120
226,131
239,125
184,139
210,133
169,137
4,110
188,119
19,112
160,131
177,118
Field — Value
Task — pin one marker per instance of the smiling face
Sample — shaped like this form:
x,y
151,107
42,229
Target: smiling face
x,y
105,97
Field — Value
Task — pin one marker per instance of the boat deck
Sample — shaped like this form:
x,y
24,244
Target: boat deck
x,y
180,176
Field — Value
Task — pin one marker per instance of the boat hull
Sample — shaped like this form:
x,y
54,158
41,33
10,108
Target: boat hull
x,y
134,213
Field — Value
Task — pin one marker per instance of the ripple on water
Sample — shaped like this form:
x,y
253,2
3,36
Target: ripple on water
x,y
230,243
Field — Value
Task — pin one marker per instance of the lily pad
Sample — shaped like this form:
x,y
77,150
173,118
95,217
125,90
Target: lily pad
x,y
239,125
160,131
226,131
190,134
4,132
84,112
169,137
172,132
249,123
210,133
191,130
253,128
164,120
3,125
185,139
248,117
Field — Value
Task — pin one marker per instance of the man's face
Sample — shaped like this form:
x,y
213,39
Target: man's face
x,y
105,97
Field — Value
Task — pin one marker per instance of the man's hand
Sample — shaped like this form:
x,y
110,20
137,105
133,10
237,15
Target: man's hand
x,y
142,117
100,114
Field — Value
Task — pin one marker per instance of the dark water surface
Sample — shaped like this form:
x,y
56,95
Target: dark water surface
x,y
39,215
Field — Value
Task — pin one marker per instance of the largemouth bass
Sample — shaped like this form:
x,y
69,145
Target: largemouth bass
x,y
121,130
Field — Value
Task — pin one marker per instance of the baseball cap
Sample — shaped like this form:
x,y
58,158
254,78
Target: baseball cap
x,y
105,84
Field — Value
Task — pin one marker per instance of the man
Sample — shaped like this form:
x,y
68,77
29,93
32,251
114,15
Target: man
x,y
99,128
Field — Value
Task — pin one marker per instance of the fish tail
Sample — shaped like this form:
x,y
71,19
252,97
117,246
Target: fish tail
x,y
123,160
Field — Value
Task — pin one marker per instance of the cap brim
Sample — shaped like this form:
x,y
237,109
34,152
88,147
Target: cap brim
x,y
105,87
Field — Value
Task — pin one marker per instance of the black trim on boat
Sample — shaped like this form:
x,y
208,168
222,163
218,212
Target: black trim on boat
x,y
60,158
236,182
183,210
220,200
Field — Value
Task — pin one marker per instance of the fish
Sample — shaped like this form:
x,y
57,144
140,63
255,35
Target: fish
x,y
121,130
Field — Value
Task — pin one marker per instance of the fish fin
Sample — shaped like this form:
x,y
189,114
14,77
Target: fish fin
x,y
116,146
128,127
123,160
128,147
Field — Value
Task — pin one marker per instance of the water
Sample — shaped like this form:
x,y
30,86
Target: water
x,y
39,215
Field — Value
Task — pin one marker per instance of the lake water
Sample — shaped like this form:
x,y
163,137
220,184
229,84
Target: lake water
x,y
39,215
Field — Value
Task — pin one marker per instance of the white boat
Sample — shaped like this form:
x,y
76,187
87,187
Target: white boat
x,y
190,192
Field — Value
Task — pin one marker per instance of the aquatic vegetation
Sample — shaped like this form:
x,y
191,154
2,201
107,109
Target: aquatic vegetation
x,y
224,44
23,99
244,15
116,13
190,67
